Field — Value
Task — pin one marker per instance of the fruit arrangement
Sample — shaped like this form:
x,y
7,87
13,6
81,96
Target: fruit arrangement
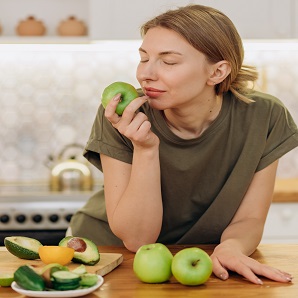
x,y
55,275
154,263
80,250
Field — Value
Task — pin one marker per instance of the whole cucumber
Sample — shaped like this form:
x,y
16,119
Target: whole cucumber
x,y
28,279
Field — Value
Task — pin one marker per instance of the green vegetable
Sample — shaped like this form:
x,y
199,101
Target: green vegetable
x,y
88,279
28,279
86,251
81,269
65,280
23,247
48,270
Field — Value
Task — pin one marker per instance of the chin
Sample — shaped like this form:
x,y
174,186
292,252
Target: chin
x,y
154,103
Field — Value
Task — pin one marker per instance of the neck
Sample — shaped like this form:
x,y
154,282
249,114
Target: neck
x,y
190,123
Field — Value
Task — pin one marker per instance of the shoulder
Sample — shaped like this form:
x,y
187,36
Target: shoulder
x,y
266,110
264,105
266,101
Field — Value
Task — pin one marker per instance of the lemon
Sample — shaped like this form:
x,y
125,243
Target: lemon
x,y
56,254
23,247
6,279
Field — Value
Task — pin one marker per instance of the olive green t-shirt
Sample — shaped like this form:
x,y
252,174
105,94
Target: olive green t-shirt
x,y
203,180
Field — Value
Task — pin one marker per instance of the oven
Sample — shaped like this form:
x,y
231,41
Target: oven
x,y
34,211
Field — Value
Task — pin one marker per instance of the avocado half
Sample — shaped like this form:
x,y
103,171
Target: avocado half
x,y
23,247
86,251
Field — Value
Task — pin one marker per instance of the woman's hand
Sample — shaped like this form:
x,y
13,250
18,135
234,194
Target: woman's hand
x,y
134,126
227,258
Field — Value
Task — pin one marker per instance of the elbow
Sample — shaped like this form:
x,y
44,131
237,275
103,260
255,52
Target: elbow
x,y
134,245
133,241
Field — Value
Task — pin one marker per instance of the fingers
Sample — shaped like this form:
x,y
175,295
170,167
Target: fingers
x,y
249,269
271,273
219,270
110,110
129,112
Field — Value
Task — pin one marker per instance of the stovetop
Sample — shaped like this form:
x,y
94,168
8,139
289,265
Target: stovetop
x,y
35,207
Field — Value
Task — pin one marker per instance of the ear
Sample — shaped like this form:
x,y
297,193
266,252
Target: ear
x,y
219,71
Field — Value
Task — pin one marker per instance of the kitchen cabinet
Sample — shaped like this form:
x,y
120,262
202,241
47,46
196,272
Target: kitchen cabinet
x,y
282,220
267,19
118,19
281,225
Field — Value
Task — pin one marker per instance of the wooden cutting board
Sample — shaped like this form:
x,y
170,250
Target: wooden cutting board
x,y
108,262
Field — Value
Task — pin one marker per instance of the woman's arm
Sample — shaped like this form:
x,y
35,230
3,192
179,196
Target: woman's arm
x,y
244,233
133,192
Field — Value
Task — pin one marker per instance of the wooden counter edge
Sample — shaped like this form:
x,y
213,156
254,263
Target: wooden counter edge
x,y
286,191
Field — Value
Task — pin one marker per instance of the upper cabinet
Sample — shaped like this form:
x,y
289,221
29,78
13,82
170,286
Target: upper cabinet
x,y
121,19
254,19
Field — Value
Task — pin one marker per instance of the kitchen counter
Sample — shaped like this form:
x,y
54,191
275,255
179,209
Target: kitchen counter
x,y
122,282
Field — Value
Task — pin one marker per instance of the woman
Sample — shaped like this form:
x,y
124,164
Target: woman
x,y
194,159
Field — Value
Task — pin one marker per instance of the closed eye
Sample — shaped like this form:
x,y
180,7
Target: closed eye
x,y
169,63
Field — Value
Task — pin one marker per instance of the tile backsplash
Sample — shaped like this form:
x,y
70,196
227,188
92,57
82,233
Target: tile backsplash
x,y
49,95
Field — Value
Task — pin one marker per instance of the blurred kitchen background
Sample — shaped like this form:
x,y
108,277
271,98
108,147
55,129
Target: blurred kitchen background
x,y
51,84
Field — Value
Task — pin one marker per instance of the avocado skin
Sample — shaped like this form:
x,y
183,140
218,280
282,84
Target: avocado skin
x,y
23,247
90,256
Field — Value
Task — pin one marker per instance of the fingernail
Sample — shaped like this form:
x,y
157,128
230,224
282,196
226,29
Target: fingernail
x,y
259,281
223,276
117,97
288,278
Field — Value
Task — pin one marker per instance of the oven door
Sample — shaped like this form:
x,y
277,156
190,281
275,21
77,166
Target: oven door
x,y
49,237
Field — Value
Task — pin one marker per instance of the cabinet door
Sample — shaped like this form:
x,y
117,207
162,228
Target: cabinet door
x,y
118,19
254,19
281,224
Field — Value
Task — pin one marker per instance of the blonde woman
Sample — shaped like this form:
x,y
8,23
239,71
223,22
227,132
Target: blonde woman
x,y
194,159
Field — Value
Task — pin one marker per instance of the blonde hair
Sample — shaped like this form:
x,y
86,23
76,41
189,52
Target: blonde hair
x,y
212,33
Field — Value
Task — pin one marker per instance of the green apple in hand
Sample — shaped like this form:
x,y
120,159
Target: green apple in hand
x,y
152,263
128,94
192,266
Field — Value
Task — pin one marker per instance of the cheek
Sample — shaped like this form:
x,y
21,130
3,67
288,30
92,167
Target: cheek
x,y
139,72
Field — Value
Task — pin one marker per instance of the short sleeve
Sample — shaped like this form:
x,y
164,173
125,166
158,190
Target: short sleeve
x,y
282,135
105,139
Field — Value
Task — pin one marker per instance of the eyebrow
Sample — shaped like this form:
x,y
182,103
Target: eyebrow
x,y
162,53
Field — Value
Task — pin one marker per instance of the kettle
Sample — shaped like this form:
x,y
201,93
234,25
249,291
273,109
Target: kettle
x,y
68,173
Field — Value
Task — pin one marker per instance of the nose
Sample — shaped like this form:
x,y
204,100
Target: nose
x,y
146,71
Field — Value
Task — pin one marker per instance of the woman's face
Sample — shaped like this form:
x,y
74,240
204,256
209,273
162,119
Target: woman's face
x,y
172,72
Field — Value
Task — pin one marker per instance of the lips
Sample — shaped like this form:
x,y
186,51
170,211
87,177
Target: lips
x,y
152,92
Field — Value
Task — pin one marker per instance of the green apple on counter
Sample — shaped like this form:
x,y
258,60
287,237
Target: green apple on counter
x,y
191,266
152,263
128,94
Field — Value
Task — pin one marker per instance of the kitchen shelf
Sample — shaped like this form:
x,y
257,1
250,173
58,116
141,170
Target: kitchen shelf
x,y
44,40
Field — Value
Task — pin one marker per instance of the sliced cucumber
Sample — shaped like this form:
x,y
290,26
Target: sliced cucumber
x,y
65,277
88,279
65,286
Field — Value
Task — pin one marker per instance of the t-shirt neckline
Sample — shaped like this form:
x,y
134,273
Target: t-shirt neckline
x,y
164,129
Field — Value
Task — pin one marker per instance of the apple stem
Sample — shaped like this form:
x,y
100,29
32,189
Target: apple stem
x,y
194,263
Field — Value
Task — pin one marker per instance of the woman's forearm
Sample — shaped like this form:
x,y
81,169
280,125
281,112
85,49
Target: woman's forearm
x,y
137,218
244,235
